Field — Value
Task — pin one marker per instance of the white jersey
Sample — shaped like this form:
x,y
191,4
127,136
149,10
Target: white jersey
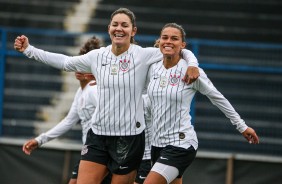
x,y
81,110
120,81
171,99
148,129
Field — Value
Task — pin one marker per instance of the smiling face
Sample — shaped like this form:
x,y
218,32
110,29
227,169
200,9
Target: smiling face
x,y
121,30
171,42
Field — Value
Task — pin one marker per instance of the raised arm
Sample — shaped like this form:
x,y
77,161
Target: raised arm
x,y
60,61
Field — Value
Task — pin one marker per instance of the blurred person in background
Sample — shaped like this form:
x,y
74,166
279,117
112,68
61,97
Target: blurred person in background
x,y
81,111
145,165
174,141
118,122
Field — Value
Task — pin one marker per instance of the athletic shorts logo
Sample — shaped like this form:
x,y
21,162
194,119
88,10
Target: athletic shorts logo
x,y
142,177
163,158
120,167
84,150
174,79
124,65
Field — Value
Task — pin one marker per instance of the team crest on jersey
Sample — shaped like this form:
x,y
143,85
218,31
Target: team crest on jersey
x,y
174,79
84,150
124,65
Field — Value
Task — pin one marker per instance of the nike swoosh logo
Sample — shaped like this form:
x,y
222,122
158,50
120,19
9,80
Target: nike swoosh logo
x,y
163,158
120,167
142,177
104,64
155,76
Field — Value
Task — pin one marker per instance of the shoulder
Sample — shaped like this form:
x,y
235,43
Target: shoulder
x,y
187,52
157,64
182,63
137,48
134,48
100,50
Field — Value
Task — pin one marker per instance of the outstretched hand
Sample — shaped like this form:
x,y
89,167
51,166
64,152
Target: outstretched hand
x,y
21,43
251,136
29,146
191,75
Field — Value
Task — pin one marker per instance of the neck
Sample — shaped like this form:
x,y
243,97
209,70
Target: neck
x,y
117,50
170,61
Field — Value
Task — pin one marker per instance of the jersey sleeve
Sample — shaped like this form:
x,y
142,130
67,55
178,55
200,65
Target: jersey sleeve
x,y
152,55
60,61
189,57
66,124
203,83
205,86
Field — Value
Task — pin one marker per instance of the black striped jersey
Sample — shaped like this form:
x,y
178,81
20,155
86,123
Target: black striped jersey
x,y
82,109
120,82
170,105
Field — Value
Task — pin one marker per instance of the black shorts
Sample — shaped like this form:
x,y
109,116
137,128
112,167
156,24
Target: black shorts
x,y
106,180
75,171
143,171
121,154
174,156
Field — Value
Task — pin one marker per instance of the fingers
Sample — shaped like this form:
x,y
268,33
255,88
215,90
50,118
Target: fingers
x,y
26,149
29,146
189,79
20,43
191,75
192,78
251,136
186,79
79,75
253,139
89,76
84,76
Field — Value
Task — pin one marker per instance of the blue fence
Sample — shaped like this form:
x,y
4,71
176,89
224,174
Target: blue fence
x,y
199,47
